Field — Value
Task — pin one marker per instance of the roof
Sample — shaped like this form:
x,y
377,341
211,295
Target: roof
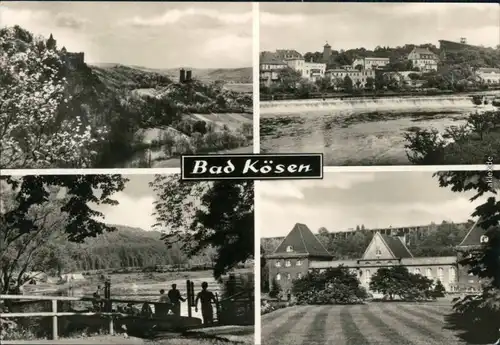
x,y
270,58
327,45
396,246
282,52
420,50
376,58
473,237
303,241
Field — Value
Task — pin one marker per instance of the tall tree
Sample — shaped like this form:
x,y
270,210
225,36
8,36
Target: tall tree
x,y
33,134
199,215
38,210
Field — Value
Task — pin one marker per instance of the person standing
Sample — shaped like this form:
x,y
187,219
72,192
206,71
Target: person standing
x,y
206,297
164,306
175,298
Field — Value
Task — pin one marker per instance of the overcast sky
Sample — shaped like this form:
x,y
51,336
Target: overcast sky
x,y
307,26
343,200
135,206
149,34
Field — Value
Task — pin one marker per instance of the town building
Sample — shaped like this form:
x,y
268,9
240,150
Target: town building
x,y
301,251
311,71
269,68
489,75
424,59
360,78
327,52
370,62
273,62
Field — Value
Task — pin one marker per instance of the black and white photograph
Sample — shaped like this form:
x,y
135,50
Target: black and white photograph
x,y
387,257
126,259
372,84
123,84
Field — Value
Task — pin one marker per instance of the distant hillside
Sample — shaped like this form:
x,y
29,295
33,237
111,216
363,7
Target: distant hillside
x,y
128,247
206,75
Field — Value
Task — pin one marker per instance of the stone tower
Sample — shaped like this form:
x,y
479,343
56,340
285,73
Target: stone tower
x,y
327,52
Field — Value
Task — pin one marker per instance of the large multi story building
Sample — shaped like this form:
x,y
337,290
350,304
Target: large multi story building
x,y
271,63
338,75
424,59
301,251
370,62
270,67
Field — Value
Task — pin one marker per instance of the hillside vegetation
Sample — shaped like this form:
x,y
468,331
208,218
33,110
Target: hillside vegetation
x,y
121,249
98,110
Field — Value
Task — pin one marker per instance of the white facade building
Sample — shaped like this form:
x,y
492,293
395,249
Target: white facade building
x,y
371,62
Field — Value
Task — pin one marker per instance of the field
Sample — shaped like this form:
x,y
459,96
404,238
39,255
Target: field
x,y
372,324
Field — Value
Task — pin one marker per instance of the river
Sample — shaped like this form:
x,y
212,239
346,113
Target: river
x,y
358,131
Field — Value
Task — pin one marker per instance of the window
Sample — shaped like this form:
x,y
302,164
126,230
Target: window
x,y
428,273
453,274
289,249
378,252
278,276
484,238
299,275
417,270
288,263
367,276
299,262
440,274
277,264
288,276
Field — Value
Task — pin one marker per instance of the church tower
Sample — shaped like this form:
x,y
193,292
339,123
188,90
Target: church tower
x,y
327,52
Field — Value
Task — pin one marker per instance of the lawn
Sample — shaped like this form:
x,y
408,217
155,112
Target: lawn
x,y
371,324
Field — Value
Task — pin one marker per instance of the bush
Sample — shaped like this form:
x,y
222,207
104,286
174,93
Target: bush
x,y
397,281
439,290
472,143
275,289
334,286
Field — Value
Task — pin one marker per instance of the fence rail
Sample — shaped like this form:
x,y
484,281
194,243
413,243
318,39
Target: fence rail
x,y
55,314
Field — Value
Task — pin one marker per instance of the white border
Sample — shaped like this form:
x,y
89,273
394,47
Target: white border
x,y
124,171
389,168
256,149
255,76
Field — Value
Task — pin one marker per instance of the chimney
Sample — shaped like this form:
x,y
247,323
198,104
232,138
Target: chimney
x,y
189,75
463,40
182,76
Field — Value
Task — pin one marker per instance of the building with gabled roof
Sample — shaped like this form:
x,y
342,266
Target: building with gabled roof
x,y
424,59
301,251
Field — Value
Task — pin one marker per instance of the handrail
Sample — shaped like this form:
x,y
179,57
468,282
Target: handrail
x,y
55,314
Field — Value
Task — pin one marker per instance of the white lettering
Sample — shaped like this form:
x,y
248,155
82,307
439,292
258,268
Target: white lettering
x,y
229,168
280,168
215,170
200,167
249,166
305,168
292,168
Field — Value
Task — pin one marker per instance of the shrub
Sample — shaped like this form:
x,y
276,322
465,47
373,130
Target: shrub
x,y
333,286
439,290
275,289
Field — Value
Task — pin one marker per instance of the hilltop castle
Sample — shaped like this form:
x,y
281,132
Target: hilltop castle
x,y
301,252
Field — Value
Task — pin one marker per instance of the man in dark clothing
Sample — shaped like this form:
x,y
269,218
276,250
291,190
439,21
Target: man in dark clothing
x,y
206,297
175,298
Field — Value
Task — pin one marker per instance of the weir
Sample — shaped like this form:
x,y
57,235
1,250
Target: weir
x,y
367,104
